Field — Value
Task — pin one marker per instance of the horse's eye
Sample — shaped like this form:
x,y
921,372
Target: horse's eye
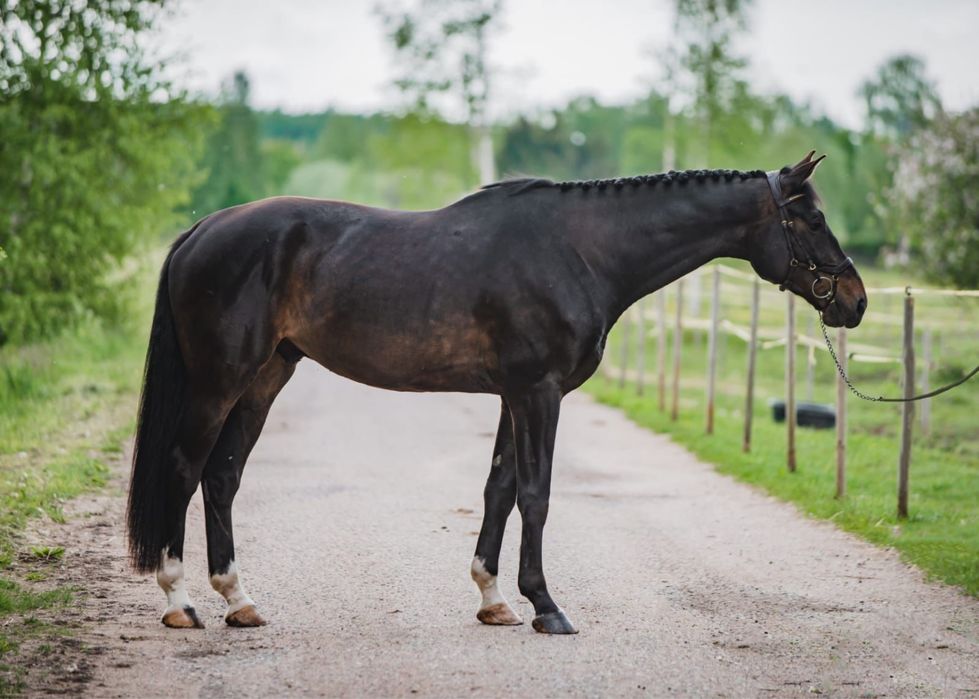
x,y
817,222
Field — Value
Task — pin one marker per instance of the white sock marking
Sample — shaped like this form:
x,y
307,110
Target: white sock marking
x,y
170,576
487,584
229,587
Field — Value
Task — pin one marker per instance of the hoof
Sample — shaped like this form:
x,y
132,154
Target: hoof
x,y
245,617
554,622
182,618
499,615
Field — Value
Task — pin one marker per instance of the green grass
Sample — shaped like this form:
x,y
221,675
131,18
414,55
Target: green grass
x,y
66,407
942,533
16,601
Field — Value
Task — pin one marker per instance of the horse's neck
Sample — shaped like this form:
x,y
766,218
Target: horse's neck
x,y
639,241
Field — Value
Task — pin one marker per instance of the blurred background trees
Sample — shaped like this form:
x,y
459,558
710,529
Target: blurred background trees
x,y
900,98
934,199
97,152
101,155
707,69
441,47
239,164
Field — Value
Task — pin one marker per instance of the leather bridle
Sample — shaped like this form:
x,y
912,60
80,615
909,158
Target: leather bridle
x,y
827,273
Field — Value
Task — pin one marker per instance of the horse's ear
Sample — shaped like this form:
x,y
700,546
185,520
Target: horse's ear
x,y
807,158
800,172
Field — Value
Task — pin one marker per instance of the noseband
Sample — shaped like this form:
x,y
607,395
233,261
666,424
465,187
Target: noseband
x,y
822,272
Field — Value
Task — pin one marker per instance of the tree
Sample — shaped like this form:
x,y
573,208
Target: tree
x,y
900,98
441,49
429,157
705,66
97,150
232,161
935,197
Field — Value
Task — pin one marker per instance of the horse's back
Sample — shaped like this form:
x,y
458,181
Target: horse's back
x,y
384,297
449,299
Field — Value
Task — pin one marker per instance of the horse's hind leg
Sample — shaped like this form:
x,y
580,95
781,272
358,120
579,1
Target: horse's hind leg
x,y
200,425
222,475
499,497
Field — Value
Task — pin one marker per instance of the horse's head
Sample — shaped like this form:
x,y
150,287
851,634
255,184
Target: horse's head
x,y
796,249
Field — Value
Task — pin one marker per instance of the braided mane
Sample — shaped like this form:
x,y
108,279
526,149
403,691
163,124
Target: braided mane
x,y
520,185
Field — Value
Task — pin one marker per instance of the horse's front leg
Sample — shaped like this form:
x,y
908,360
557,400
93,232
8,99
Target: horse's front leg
x,y
535,414
499,497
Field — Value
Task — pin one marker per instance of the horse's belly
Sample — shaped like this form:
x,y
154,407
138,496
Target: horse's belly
x,y
427,357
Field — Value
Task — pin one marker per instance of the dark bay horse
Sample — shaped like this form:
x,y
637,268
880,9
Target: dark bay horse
x,y
510,291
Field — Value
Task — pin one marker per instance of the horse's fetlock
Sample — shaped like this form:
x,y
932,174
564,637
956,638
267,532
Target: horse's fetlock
x,y
531,583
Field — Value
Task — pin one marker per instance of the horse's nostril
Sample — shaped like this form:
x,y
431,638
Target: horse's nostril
x,y
861,305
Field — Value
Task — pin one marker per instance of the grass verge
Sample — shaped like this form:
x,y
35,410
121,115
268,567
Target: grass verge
x,y
941,536
66,406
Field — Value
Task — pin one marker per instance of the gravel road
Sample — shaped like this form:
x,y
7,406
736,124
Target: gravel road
x,y
356,524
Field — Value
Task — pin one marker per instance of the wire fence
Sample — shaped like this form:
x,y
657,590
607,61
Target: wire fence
x,y
762,320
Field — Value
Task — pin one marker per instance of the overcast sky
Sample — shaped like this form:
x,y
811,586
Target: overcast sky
x,y
307,55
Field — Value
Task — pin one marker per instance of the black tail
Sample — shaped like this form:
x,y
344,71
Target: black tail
x,y
160,408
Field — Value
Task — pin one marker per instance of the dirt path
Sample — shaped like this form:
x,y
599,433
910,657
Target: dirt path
x,y
356,524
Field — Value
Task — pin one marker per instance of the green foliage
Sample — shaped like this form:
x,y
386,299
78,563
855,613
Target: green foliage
x,y
585,140
342,136
414,161
239,164
301,130
442,57
933,199
96,152
705,67
441,50
429,156
232,161
900,98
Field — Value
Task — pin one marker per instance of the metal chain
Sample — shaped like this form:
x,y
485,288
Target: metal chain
x,y
839,367
880,399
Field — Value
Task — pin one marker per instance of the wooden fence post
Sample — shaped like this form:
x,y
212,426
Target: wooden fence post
x,y
715,302
907,409
640,347
790,382
749,401
926,381
677,349
841,418
624,351
661,347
